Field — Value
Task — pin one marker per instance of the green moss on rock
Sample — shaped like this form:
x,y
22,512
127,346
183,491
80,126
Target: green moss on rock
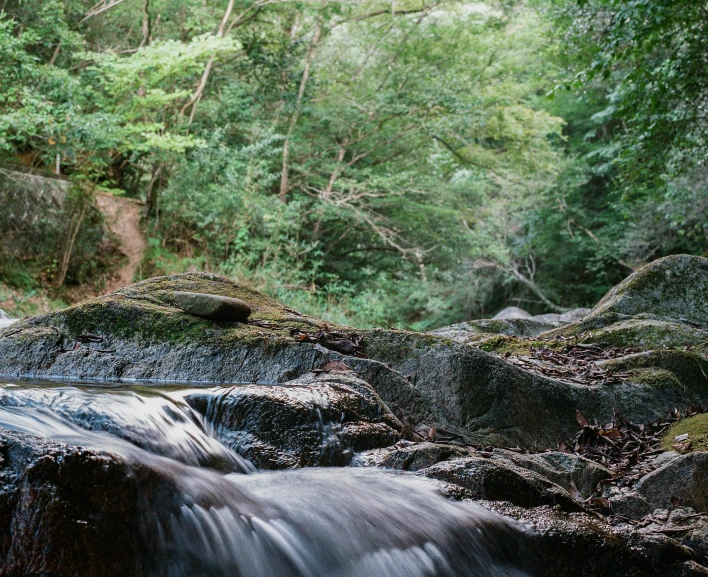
x,y
697,429
670,288
657,378
664,369
146,312
515,345
647,334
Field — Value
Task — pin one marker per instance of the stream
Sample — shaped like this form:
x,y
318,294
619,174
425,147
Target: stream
x,y
229,519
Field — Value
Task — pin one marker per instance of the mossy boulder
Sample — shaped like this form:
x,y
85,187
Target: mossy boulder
x,y
663,304
139,334
671,288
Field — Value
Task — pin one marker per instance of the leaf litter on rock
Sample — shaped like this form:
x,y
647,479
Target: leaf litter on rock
x,y
623,447
576,363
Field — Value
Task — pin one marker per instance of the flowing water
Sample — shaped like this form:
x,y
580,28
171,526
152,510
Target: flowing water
x,y
232,520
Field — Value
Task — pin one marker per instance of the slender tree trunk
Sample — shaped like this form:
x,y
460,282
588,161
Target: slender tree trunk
x,y
64,267
197,96
55,54
146,23
284,184
153,191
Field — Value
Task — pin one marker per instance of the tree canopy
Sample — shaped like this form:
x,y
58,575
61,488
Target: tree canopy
x,y
403,162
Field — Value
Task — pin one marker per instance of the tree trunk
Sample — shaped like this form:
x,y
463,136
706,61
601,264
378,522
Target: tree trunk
x,y
284,184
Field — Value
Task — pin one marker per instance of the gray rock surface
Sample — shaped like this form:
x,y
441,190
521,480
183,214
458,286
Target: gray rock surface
x,y
214,307
684,478
511,313
471,331
495,481
561,544
573,316
316,420
3,315
410,456
577,475
674,288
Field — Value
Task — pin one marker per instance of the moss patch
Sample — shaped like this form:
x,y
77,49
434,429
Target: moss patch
x,y
147,313
648,334
639,332
688,368
390,346
657,378
502,344
697,429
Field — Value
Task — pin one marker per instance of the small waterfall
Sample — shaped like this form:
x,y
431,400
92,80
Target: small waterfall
x,y
311,522
158,421
341,523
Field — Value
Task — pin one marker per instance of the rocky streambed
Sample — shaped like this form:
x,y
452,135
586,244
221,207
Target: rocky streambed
x,y
189,425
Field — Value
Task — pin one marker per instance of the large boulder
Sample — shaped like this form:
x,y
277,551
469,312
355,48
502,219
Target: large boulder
x,y
139,333
674,288
495,481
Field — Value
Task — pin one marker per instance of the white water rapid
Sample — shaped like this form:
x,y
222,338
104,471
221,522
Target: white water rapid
x,y
229,520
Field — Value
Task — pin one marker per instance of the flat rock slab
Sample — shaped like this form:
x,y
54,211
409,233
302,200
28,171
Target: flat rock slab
x,y
214,307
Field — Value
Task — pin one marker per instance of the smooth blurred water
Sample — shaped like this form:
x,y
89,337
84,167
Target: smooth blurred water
x,y
314,522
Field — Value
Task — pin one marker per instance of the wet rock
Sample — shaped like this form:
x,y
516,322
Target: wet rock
x,y
213,307
315,420
410,456
495,481
562,544
67,511
577,475
511,313
681,480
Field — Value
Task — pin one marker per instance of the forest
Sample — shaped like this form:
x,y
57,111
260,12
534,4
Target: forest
x,y
406,163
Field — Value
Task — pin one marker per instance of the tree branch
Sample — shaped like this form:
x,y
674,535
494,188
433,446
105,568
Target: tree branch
x,y
284,187
99,9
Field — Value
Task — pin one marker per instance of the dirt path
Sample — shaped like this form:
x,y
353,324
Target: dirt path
x,y
123,219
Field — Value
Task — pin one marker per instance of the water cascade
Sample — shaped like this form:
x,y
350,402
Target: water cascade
x,y
229,519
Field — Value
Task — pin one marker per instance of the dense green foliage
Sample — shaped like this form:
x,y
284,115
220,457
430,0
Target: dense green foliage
x,y
374,162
